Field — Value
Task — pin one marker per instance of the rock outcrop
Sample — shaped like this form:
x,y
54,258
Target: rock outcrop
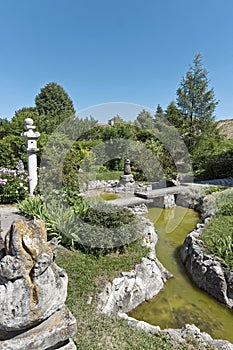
x,y
140,284
207,272
33,291
188,333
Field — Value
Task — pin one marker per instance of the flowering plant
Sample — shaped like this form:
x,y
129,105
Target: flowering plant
x,y
13,184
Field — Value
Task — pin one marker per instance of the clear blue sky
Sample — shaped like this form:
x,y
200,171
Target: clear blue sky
x,y
104,51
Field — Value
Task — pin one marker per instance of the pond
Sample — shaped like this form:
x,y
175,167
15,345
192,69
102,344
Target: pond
x,y
181,302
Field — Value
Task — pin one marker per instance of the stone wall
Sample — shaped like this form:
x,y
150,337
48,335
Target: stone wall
x,y
208,273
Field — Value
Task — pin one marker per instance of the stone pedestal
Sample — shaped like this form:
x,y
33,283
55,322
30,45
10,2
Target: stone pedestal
x,y
126,180
33,291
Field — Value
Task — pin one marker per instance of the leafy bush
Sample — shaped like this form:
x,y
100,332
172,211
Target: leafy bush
x,y
12,150
92,226
219,202
13,184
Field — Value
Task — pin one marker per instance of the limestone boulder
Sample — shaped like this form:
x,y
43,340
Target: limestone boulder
x,y
206,271
132,288
54,333
32,286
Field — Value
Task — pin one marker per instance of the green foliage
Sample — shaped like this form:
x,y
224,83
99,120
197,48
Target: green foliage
x,y
118,131
218,236
176,117
18,120
116,120
13,184
108,175
53,100
12,150
5,128
144,120
197,105
87,275
54,106
215,203
93,226
159,110
217,162
193,96
60,219
79,159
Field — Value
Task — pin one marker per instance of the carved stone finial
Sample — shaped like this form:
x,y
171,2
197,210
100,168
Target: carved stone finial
x,y
127,169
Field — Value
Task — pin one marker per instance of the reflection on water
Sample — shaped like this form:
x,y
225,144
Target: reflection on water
x,y
181,301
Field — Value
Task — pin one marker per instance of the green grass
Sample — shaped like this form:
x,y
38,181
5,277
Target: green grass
x,y
111,175
218,238
88,275
218,234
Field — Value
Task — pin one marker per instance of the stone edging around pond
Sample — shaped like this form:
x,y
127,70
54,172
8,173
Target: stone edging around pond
x,y
140,284
208,273
189,333
114,186
143,283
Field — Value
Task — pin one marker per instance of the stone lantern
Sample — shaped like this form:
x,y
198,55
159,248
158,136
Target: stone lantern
x,y
31,148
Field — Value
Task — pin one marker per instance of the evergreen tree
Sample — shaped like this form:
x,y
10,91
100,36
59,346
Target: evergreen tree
x,y
54,106
174,115
53,100
144,120
194,97
159,110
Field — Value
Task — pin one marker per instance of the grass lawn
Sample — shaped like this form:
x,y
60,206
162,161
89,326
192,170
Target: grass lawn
x,y
113,175
87,275
218,237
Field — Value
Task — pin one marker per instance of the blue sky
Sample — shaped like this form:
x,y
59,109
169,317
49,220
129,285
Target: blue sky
x,y
104,51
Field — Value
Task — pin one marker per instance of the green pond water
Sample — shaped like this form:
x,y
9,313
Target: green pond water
x,y
180,301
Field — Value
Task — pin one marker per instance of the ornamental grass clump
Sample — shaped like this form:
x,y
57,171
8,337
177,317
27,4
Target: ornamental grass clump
x,y
13,184
92,226
218,234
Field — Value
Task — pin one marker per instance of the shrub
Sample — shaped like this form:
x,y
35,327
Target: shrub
x,y
220,199
13,184
93,226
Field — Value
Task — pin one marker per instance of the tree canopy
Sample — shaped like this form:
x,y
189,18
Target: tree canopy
x,y
54,106
144,120
194,97
53,100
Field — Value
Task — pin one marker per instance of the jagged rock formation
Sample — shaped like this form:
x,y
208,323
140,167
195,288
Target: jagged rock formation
x,y
188,333
140,284
33,291
208,273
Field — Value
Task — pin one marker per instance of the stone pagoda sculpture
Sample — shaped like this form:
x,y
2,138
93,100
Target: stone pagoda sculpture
x,y
33,291
127,179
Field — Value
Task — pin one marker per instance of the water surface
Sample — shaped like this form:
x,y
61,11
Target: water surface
x,y
181,301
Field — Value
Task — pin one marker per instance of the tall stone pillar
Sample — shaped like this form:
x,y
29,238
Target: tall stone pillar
x,y
31,148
